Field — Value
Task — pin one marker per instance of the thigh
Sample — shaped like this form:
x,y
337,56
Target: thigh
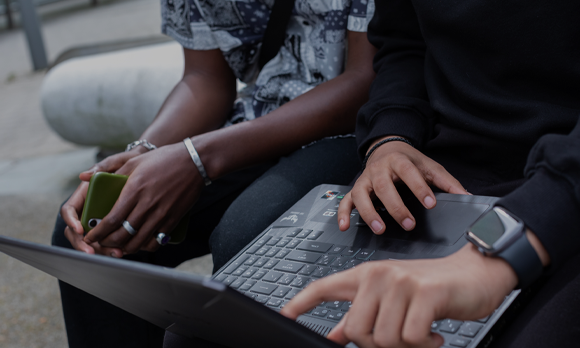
x,y
330,161
551,318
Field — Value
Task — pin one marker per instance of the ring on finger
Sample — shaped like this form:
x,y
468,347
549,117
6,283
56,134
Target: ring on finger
x,y
129,228
162,239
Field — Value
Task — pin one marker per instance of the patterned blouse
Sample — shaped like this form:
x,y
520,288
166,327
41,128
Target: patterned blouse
x,y
313,51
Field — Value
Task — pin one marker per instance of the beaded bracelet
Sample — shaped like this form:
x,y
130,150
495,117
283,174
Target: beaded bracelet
x,y
382,142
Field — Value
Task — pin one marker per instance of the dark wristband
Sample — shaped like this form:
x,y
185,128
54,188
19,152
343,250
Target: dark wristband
x,y
522,257
382,142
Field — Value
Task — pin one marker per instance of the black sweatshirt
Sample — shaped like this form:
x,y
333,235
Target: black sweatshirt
x,y
504,72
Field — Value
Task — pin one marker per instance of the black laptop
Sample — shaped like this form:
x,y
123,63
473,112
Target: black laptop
x,y
238,306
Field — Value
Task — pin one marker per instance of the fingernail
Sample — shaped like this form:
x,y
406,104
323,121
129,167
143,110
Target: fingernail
x,y
429,201
341,222
407,224
376,226
113,255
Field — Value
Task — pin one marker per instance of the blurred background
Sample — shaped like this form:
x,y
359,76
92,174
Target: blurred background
x,y
38,168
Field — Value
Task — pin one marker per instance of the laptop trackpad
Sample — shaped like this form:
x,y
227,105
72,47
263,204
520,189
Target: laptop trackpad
x,y
442,225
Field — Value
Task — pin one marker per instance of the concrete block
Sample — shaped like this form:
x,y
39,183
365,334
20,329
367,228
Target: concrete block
x,y
107,100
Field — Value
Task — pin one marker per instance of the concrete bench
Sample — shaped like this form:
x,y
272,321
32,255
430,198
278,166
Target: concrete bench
x,y
107,100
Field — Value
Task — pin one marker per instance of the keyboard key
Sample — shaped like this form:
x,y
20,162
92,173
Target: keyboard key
x,y
281,291
320,312
229,280
336,249
273,241
380,255
321,272
364,254
450,326
340,262
290,267
314,235
349,251
314,246
221,277
325,260
250,295
253,248
469,329
303,256
300,281
232,267
483,320
272,252
261,299
307,270
247,285
250,272
333,304
286,279
346,306
259,274
240,270
336,270
291,294
263,288
459,342
283,243
272,276
293,243
303,234
263,240
294,232
334,315
237,283
274,302
261,262
282,253
271,264
262,251
251,260
352,263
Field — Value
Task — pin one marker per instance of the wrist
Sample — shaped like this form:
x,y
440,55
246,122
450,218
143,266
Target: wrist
x,y
495,269
538,247
378,140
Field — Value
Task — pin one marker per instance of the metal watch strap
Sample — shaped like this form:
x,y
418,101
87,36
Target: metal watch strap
x,y
522,257
142,142
196,160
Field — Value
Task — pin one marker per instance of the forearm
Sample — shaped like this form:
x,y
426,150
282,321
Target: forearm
x,y
329,109
199,103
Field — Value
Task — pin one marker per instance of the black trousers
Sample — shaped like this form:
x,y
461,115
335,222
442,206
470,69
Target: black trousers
x,y
229,214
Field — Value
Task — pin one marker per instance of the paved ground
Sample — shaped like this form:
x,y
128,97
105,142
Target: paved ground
x,y
38,170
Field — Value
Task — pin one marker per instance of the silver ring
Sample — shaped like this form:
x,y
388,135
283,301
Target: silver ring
x,y
129,228
162,239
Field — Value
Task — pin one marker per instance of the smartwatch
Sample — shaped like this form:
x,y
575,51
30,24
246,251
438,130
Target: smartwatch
x,y
499,233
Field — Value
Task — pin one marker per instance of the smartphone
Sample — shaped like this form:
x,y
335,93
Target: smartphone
x,y
104,190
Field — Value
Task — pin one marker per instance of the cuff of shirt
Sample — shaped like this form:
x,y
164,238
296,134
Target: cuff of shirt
x,y
548,207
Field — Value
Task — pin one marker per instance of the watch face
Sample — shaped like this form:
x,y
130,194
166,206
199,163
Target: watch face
x,y
488,229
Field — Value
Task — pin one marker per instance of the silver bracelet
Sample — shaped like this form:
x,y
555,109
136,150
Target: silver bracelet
x,y
196,160
142,142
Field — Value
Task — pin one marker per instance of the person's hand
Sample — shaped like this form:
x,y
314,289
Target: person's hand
x,y
392,162
395,302
72,209
163,185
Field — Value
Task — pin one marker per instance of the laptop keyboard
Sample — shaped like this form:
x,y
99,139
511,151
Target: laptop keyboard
x,y
274,269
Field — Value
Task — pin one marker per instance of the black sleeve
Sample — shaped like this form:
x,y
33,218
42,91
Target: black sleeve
x,y
398,103
549,201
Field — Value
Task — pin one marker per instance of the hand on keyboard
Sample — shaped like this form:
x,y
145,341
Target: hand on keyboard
x,y
395,303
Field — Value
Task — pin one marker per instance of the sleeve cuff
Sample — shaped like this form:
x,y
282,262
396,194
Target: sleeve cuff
x,y
391,121
547,205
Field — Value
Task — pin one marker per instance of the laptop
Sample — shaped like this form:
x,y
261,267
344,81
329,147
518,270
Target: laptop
x,y
237,306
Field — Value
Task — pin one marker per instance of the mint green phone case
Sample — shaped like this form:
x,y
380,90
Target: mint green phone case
x,y
104,190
